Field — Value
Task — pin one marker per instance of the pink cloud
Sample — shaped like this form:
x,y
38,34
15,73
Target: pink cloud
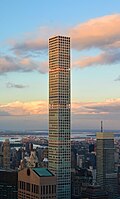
x,y
99,32
35,42
105,58
14,64
25,108
110,106
38,44
34,115
102,33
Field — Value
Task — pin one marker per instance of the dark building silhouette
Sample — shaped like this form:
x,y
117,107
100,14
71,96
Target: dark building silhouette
x,y
106,175
80,178
91,148
118,177
73,157
105,156
94,192
8,184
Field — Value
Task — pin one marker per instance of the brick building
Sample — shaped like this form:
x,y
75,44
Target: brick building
x,y
36,183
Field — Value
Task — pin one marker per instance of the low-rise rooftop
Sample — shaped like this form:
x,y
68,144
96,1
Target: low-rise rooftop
x,y
42,172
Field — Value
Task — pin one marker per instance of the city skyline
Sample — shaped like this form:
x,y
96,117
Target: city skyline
x,y
95,36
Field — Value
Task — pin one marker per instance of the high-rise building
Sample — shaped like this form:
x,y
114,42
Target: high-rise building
x,y
106,176
59,114
81,179
6,154
8,184
105,156
94,192
1,154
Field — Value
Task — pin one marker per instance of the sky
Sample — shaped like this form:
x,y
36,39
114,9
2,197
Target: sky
x,y
94,29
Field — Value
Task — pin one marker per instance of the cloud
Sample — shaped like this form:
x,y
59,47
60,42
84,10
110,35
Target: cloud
x,y
25,108
102,32
105,108
15,64
108,107
34,115
33,46
105,58
13,85
87,115
34,43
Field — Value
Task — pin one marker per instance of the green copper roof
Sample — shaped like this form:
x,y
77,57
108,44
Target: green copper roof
x,y
43,172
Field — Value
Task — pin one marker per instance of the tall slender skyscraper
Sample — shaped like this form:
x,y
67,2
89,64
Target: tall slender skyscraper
x,y
59,114
6,154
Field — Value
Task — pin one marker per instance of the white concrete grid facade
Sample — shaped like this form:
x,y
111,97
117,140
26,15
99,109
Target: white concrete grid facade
x,y
60,114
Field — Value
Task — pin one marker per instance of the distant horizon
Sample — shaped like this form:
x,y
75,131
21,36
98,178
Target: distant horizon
x,y
47,130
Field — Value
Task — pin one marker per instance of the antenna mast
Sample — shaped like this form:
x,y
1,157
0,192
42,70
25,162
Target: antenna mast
x,y
101,126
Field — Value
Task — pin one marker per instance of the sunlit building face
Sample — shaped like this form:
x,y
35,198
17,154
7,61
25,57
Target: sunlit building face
x,y
59,114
